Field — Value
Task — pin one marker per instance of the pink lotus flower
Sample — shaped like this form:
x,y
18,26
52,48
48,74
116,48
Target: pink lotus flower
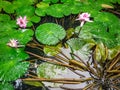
x,y
13,43
22,22
84,17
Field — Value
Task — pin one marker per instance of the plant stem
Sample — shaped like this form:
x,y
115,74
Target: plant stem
x,y
79,31
58,79
54,61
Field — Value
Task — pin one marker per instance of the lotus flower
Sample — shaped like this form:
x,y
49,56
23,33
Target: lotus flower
x,y
13,43
84,17
22,22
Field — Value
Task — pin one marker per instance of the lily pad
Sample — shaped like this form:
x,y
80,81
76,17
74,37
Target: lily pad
x,y
50,33
35,19
54,71
11,60
76,43
101,53
12,69
7,6
41,9
4,17
100,32
55,11
25,10
22,35
6,86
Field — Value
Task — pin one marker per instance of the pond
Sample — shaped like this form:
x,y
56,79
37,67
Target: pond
x,y
59,45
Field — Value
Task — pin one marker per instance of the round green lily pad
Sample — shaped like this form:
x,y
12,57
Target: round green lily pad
x,y
55,10
50,33
6,86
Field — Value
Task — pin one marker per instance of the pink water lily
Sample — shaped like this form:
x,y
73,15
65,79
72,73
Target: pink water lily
x,y
13,43
22,22
84,17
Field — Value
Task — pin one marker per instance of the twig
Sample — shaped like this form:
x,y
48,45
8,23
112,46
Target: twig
x,y
64,55
115,12
113,63
58,79
115,87
53,61
61,58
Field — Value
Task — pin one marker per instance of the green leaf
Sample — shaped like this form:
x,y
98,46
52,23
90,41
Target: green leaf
x,y
7,7
22,35
106,18
54,1
6,86
50,33
18,3
101,53
52,50
113,52
25,11
75,8
7,26
41,8
101,32
76,43
47,70
67,1
55,11
65,11
29,24
12,70
11,60
46,1
42,5
4,17
35,19
40,11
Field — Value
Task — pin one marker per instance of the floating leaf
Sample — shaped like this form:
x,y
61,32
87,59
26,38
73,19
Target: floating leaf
x,y
11,60
9,25
47,70
55,11
12,70
7,7
76,43
35,19
25,11
46,1
4,17
19,3
22,35
6,86
50,33
54,1
113,52
41,8
100,32
67,1
40,11
101,53
42,5
75,8
52,50
65,11
107,18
